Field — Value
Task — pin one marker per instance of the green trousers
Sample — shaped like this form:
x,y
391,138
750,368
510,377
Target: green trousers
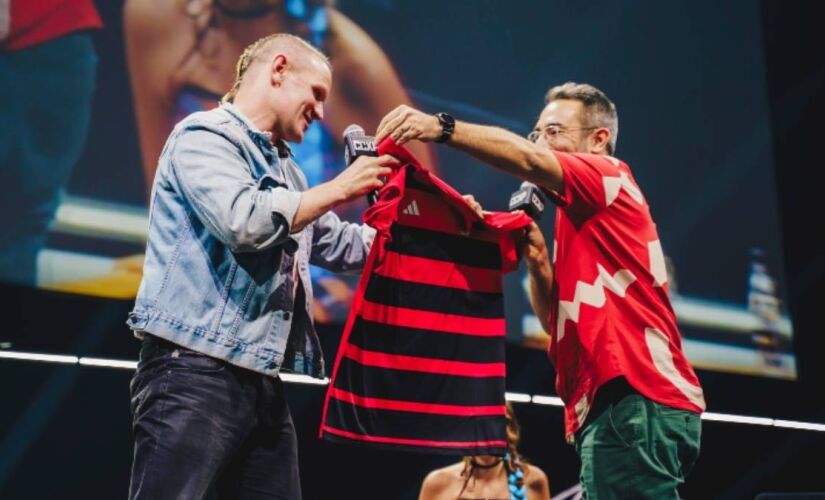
x,y
631,447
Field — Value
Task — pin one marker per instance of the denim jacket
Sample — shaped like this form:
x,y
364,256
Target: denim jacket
x,y
222,269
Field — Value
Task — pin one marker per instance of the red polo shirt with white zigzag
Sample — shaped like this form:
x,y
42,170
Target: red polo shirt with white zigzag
x,y
610,311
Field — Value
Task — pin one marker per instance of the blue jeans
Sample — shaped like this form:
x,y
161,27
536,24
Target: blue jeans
x,y
204,427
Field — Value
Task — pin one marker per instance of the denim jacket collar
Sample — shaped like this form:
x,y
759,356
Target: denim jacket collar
x,y
262,139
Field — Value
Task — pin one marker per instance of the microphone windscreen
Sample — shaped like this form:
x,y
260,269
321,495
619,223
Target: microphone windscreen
x,y
353,129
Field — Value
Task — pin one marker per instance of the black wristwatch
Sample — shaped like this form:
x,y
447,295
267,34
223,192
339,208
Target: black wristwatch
x,y
447,126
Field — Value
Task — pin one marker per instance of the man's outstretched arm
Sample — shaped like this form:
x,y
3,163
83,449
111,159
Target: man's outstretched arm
x,y
492,145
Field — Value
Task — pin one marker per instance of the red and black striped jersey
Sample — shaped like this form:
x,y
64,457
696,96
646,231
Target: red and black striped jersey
x,y
421,365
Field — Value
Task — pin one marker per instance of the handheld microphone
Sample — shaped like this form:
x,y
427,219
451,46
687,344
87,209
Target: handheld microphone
x,y
528,198
357,143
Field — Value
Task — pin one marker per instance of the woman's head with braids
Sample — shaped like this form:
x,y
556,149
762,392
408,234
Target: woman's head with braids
x,y
513,461
281,83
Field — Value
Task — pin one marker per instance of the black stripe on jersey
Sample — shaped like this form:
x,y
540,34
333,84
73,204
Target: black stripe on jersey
x,y
434,298
384,383
442,246
413,425
447,451
379,337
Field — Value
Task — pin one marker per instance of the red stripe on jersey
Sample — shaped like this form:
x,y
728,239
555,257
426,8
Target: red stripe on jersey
x,y
425,365
427,320
413,406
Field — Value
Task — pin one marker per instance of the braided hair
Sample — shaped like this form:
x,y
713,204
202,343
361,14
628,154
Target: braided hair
x,y
515,464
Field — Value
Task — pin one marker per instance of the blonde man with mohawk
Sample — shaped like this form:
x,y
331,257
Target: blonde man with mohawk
x,y
225,303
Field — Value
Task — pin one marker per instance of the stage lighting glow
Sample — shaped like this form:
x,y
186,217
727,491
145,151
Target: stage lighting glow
x,y
547,400
516,397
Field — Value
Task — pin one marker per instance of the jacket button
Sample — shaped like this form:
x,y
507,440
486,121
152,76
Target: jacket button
x,y
286,316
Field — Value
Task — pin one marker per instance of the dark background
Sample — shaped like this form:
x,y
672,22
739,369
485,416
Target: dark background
x,y
65,429
688,77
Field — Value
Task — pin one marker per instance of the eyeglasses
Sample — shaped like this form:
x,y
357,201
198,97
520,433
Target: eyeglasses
x,y
552,131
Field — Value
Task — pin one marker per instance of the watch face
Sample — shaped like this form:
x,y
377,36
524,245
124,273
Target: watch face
x,y
447,126
446,119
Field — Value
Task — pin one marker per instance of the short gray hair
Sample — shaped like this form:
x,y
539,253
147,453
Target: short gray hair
x,y
599,111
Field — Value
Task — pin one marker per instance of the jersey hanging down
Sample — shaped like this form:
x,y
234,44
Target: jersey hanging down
x,y
421,361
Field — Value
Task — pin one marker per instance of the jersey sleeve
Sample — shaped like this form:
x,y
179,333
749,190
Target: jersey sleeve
x,y
584,181
510,228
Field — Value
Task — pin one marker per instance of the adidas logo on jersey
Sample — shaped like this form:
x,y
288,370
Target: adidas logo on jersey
x,y
412,209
